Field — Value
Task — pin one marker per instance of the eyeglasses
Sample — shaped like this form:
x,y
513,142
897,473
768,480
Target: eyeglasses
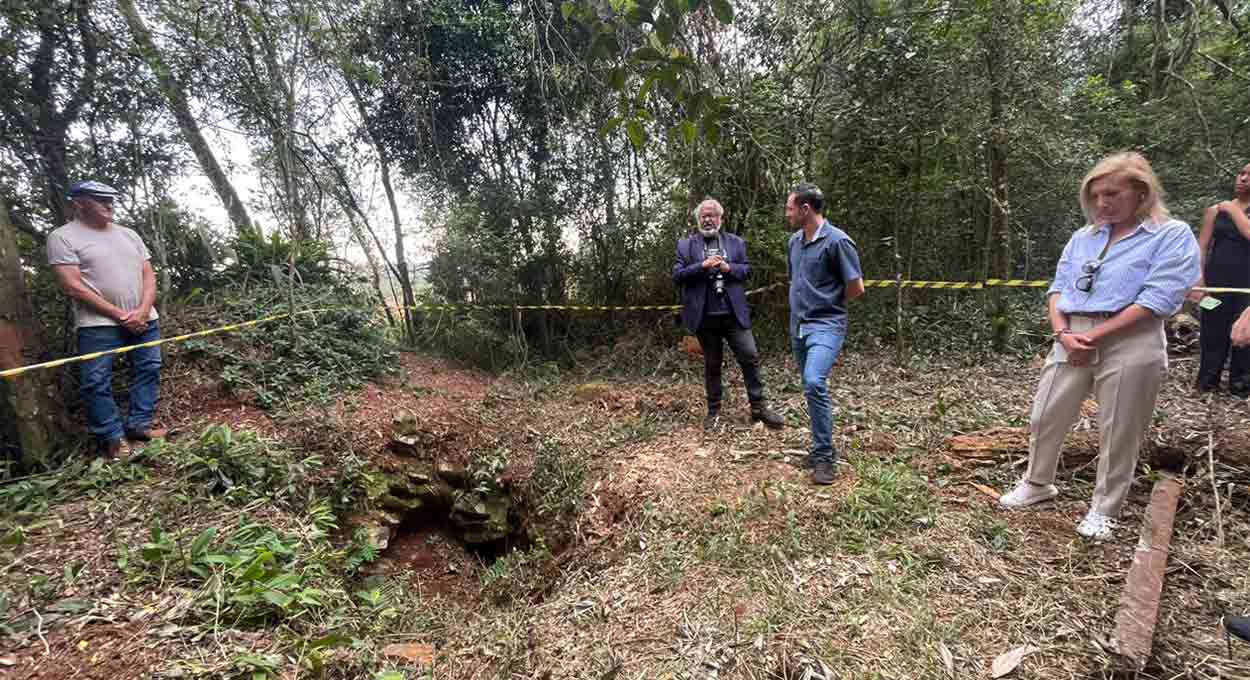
x,y
1085,283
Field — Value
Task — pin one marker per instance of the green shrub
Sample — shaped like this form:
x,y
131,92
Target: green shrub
x,y
256,575
240,467
281,364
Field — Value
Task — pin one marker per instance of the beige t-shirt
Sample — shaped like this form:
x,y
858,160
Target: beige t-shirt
x,y
111,261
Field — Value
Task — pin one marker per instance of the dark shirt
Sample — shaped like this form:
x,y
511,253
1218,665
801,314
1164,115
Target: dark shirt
x,y
717,305
1228,264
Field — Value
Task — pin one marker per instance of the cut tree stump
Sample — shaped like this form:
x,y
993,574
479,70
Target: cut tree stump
x,y
1139,604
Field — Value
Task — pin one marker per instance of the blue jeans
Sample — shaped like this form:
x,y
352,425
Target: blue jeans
x,y
96,379
815,355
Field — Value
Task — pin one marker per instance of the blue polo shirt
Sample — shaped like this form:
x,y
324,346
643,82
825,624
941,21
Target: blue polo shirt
x,y
819,271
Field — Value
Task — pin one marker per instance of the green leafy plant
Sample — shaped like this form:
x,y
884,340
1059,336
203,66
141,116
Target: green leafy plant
x,y
241,467
255,575
313,358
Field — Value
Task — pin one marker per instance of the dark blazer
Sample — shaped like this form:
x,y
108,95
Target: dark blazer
x,y
689,274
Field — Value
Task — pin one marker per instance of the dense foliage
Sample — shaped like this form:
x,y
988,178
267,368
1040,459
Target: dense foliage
x,y
551,152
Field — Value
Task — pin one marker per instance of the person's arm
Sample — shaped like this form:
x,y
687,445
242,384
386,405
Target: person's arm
x,y
1173,270
1238,215
1058,320
855,289
1125,318
1241,329
846,264
136,319
1079,346
69,277
1065,270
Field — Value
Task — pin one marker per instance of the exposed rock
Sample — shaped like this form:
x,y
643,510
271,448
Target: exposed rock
x,y
1183,332
481,518
413,489
379,527
406,445
404,424
400,503
452,473
405,434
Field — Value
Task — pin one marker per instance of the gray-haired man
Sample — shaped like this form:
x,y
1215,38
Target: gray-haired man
x,y
711,268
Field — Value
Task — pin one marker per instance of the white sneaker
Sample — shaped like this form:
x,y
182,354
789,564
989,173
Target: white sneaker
x,y
1027,493
1097,526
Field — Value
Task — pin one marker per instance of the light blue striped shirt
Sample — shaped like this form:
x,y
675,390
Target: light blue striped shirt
x,y
1153,267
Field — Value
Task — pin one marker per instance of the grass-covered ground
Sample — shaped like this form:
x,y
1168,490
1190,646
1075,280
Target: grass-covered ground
x,y
656,551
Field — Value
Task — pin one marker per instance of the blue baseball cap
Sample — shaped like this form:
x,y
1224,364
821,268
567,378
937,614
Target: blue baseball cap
x,y
92,189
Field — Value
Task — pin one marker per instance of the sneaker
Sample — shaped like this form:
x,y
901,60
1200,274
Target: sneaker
x,y
764,414
823,473
1027,493
1096,526
153,431
711,420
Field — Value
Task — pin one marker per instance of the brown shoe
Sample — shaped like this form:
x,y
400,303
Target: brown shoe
x,y
823,473
153,431
116,449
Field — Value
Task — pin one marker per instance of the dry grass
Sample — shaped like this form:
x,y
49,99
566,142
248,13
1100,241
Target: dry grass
x,y
709,556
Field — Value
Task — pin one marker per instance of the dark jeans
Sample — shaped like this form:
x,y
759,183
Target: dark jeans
x,y
96,378
1217,324
712,332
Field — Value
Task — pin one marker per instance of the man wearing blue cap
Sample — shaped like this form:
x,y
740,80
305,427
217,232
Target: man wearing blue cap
x,y
106,271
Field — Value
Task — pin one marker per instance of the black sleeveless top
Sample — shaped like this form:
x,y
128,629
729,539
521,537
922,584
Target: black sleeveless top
x,y
1228,264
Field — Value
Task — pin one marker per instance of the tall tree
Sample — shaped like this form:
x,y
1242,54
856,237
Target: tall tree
x,y
181,108
23,399
49,73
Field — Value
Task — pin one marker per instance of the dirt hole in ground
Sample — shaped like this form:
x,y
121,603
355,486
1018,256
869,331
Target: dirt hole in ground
x,y
442,528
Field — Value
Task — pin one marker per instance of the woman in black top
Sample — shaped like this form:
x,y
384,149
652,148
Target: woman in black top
x,y
1225,245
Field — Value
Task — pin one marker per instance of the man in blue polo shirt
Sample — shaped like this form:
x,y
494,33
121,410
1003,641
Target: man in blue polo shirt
x,y
824,275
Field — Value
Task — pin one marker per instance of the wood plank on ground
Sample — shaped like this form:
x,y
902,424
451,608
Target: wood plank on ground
x,y
1139,603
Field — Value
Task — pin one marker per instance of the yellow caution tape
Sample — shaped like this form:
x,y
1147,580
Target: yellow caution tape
x,y
14,372
454,307
908,283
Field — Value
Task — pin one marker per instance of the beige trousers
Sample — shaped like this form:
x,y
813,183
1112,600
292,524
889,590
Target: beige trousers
x,y
1125,380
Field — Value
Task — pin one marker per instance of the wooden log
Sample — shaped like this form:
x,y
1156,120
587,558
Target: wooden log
x,y
1139,603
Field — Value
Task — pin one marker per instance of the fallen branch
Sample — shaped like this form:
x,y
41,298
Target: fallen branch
x,y
1215,490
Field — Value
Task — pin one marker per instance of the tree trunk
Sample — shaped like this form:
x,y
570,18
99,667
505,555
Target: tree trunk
x,y
384,163
375,271
998,237
24,399
181,109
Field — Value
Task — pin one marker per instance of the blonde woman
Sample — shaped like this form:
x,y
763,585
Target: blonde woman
x,y
1117,280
